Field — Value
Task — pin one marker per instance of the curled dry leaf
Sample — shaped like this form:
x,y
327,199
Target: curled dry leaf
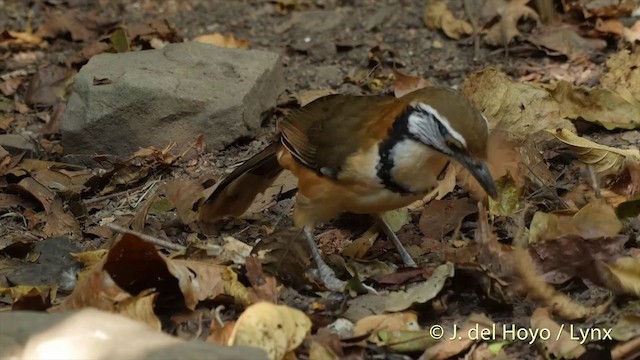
x,y
225,41
562,344
632,34
502,32
595,220
23,39
508,197
385,322
450,346
438,16
61,222
277,329
623,74
564,39
624,274
597,105
605,160
420,293
518,109
440,217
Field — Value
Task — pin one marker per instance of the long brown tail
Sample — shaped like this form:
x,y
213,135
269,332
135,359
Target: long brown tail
x,y
235,193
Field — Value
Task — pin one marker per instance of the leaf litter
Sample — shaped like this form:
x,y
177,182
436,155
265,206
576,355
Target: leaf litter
x,y
248,275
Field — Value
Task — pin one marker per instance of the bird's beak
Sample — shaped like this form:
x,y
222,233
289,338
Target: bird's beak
x,y
480,171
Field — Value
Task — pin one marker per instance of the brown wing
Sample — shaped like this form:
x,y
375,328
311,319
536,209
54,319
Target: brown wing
x,y
235,193
324,133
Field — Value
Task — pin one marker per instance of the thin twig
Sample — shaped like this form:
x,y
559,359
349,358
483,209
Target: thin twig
x,y
148,238
111,196
476,30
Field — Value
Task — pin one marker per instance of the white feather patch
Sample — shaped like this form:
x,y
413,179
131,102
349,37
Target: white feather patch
x,y
441,119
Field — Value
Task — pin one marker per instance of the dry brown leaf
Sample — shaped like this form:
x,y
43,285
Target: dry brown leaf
x,y
263,287
518,109
60,222
277,329
225,41
605,160
597,219
9,86
359,247
325,346
440,217
632,34
140,307
385,322
39,192
597,105
284,255
437,16
198,280
451,345
502,32
48,85
80,24
625,275
405,84
599,8
184,194
308,96
24,39
564,39
220,334
623,74
610,26
562,344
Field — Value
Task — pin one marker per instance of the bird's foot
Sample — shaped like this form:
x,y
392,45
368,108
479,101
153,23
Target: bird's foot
x,y
329,279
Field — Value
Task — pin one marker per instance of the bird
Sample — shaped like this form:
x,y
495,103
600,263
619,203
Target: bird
x,y
363,154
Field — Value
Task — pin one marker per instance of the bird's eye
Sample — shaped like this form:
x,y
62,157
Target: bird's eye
x,y
454,144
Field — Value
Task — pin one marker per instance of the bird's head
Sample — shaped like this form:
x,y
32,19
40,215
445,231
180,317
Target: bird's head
x,y
447,121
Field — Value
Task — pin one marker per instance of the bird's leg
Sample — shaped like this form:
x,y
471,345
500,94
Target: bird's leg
x,y
327,276
404,254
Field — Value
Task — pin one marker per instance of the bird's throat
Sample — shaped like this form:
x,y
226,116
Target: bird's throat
x,y
410,167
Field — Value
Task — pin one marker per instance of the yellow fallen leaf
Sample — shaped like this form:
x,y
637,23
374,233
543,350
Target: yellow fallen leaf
x,y
225,41
626,272
386,322
604,159
438,16
623,74
515,108
562,344
596,219
277,329
597,105
508,199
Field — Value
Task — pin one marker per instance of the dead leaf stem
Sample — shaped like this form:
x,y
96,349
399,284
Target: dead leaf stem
x,y
148,238
474,24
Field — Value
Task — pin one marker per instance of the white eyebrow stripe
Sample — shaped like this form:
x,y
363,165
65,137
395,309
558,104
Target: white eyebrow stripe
x,y
443,120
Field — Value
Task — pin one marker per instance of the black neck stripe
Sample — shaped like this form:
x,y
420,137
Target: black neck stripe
x,y
398,132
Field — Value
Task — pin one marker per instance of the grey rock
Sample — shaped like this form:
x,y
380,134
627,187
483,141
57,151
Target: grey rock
x,y
15,143
121,102
94,334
